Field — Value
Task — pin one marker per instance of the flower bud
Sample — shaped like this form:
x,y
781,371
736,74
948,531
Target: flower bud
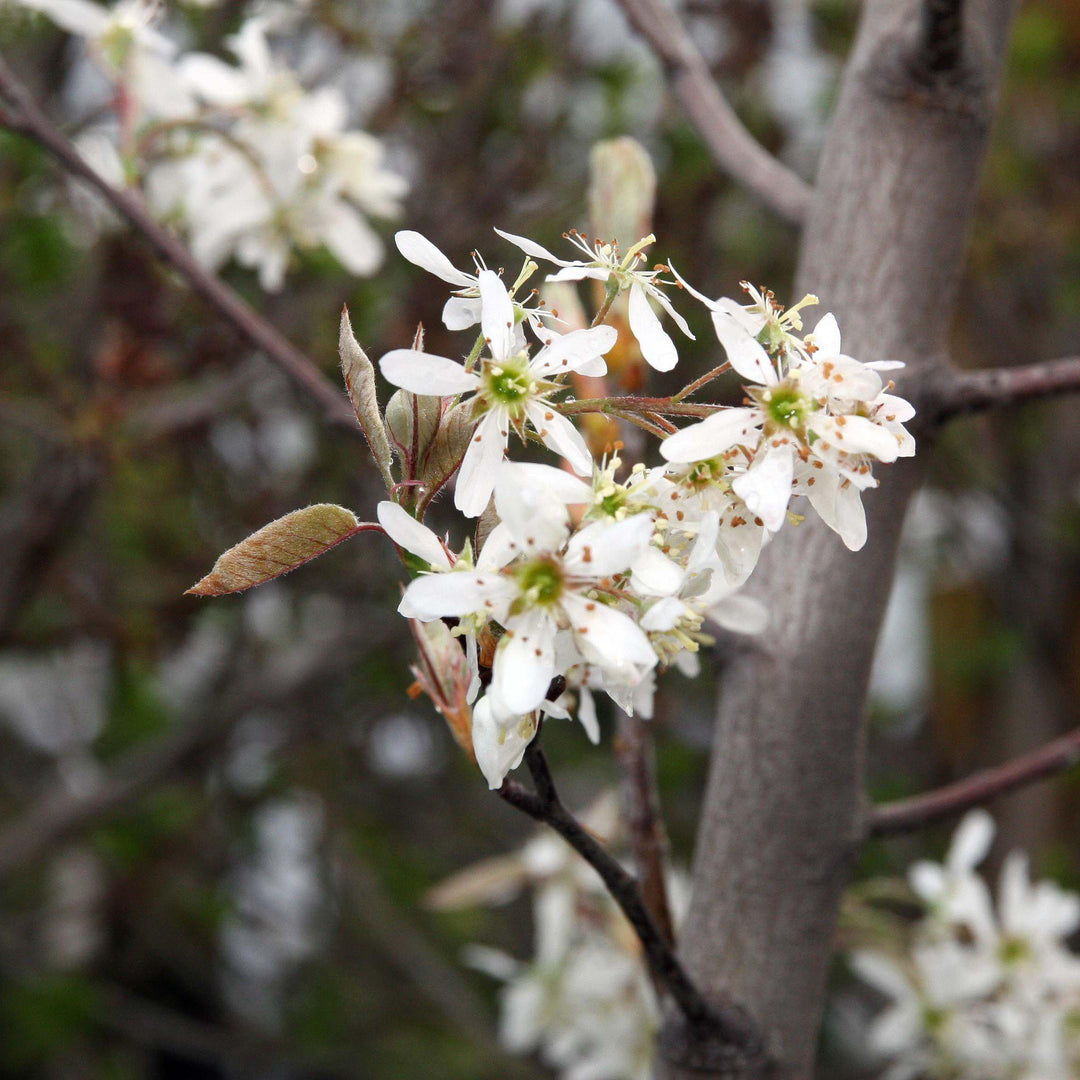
x,y
622,191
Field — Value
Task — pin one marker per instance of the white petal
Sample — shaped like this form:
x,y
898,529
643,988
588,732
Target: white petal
x,y
480,466
524,662
420,251
856,434
839,505
496,315
426,373
566,487
826,336
607,636
577,272
499,748
657,348
560,435
434,596
666,304
740,615
532,248
654,574
895,408
535,514
604,548
711,436
587,715
410,534
766,486
569,352
971,841
744,352
461,312
663,615
710,304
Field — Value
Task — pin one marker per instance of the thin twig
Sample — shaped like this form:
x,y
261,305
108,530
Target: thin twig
x,y
662,406
703,380
733,148
22,114
724,1023
906,815
973,391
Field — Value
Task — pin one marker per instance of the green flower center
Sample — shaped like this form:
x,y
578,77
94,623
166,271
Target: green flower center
x,y
705,473
1013,950
509,383
540,582
786,406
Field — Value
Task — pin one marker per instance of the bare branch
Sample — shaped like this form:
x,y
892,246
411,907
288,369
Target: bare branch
x,y
21,113
973,391
906,815
733,148
641,806
724,1023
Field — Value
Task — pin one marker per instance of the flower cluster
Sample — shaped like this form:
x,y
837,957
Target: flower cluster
x,y
980,993
585,1001
593,577
243,159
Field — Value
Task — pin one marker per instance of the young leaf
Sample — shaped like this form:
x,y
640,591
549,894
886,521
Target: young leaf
x,y
359,374
279,547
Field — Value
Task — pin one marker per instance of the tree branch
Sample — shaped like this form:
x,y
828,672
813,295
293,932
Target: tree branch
x,y
725,1023
906,815
732,147
973,391
20,113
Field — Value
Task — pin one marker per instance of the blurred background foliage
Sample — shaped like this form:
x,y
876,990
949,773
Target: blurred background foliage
x,y
260,807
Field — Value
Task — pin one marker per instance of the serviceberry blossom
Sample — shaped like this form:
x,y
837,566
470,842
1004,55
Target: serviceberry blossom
x,y
584,1001
557,580
620,273
242,159
510,389
816,421
979,993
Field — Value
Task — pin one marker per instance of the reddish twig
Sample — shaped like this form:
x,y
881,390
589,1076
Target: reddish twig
x,y
973,391
21,113
906,815
733,148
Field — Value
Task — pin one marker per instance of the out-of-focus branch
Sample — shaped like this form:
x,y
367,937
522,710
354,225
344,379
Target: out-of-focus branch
x,y
906,815
60,814
733,148
722,1024
19,112
973,391
33,531
645,826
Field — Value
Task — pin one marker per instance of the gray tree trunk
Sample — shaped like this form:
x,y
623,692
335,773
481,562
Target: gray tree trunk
x,y
883,248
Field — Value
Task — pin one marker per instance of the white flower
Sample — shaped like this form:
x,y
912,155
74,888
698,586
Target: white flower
x,y
604,263
558,581
510,389
817,420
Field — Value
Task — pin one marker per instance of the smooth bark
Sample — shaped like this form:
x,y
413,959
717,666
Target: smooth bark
x,y
883,248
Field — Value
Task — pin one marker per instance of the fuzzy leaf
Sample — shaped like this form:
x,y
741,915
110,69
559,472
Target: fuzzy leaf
x,y
277,548
399,424
359,374
446,450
